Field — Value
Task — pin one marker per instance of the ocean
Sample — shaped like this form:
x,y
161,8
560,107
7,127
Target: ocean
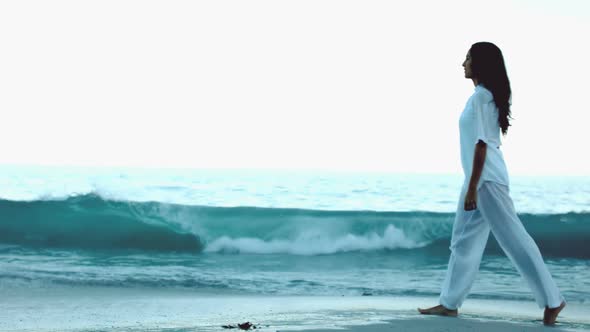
x,y
268,232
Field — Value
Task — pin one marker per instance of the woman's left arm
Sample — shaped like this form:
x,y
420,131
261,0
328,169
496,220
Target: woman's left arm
x,y
479,159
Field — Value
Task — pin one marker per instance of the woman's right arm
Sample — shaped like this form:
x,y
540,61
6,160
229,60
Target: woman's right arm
x,y
479,159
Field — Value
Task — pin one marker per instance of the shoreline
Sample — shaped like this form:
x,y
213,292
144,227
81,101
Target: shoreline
x,y
117,309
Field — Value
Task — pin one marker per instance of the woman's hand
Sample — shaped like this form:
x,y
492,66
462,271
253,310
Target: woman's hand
x,y
471,200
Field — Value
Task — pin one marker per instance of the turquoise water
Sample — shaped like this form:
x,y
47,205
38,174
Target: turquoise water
x,y
255,232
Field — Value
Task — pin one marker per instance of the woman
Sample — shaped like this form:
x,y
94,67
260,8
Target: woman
x,y
485,204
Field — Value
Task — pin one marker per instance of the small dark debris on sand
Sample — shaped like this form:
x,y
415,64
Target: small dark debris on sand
x,y
242,326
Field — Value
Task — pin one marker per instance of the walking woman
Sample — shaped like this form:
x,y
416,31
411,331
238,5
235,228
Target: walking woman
x,y
485,204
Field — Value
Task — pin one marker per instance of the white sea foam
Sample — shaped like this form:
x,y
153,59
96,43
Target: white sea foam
x,y
310,244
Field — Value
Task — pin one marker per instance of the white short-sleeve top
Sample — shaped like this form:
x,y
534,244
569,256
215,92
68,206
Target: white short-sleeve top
x,y
479,121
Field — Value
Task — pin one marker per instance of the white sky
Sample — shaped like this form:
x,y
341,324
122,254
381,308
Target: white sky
x,y
342,85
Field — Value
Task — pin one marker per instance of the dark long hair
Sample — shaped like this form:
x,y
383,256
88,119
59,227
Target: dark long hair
x,y
487,65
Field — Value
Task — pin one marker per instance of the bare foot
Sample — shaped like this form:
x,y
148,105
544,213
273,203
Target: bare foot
x,y
550,314
439,310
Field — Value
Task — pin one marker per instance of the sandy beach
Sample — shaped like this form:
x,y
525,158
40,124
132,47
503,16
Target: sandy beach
x,y
439,324
113,309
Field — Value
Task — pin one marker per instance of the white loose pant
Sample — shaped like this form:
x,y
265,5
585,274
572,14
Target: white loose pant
x,y
495,212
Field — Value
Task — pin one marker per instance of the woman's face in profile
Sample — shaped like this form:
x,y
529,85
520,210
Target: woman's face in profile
x,y
467,65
